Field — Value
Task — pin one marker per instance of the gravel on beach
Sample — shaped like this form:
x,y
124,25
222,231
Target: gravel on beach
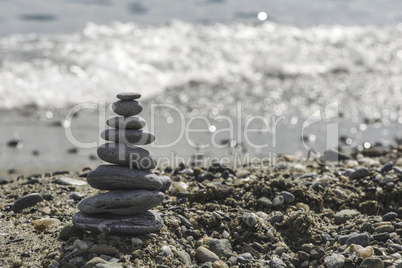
x,y
300,213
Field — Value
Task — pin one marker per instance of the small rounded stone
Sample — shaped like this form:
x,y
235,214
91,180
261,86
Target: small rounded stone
x,y
205,255
128,96
127,108
26,201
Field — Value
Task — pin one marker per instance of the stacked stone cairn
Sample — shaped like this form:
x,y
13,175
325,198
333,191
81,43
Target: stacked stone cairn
x,y
133,188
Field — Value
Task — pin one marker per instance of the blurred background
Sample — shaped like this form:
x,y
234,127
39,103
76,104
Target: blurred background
x,y
275,58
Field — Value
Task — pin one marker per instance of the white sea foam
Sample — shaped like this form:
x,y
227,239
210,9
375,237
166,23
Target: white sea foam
x,y
55,71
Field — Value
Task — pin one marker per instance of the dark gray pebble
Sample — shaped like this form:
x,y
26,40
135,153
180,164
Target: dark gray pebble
x,y
359,239
129,136
382,237
359,173
26,201
289,198
76,196
127,108
166,181
142,223
390,216
127,96
387,167
121,154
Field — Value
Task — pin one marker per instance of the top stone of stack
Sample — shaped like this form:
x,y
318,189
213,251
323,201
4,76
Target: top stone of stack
x,y
128,96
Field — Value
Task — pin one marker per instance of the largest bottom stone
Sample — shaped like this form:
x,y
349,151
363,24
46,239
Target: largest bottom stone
x,y
145,222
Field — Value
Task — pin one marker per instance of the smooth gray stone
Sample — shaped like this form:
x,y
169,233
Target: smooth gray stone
x,y
142,223
128,96
130,122
112,177
130,156
26,201
127,108
69,181
129,136
166,181
121,202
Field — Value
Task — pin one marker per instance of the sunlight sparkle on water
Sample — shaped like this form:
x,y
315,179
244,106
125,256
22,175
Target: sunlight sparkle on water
x,y
262,16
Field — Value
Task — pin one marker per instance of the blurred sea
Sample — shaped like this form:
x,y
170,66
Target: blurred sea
x,y
304,55
276,57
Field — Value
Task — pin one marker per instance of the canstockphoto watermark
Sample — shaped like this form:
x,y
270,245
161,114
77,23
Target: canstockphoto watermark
x,y
238,126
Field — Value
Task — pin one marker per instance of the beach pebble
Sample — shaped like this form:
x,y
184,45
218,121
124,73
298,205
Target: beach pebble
x,y
265,202
127,108
42,224
184,257
335,261
81,245
387,167
221,247
121,202
203,254
277,218
167,251
398,264
103,249
398,170
166,182
220,264
26,201
76,196
289,198
136,242
345,215
94,261
382,236
244,257
359,173
372,263
278,201
112,177
129,136
359,239
131,122
145,222
277,263
135,157
249,219
69,231
384,228
69,181
109,265
127,96
390,216
366,252
222,191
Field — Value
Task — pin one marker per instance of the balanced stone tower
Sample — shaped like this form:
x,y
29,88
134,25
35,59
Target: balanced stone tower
x,y
133,188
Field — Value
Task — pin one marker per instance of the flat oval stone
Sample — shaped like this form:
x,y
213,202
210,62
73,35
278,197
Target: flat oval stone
x,y
130,156
142,223
121,202
128,96
111,177
129,136
127,108
26,201
130,122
